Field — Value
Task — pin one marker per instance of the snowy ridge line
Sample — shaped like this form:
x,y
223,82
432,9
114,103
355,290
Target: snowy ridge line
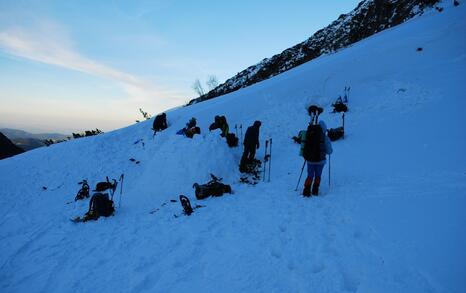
x,y
368,18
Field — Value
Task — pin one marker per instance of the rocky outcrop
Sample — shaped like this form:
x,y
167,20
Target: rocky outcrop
x,y
368,18
7,148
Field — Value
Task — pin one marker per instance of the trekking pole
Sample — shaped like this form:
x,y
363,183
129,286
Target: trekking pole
x,y
270,157
299,180
329,165
265,158
241,129
122,177
343,118
236,130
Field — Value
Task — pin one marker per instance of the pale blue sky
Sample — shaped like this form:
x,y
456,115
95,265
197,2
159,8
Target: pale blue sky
x,y
74,65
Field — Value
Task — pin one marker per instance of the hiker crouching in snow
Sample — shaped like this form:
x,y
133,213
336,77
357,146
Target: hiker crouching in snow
x,y
220,122
160,122
315,146
190,130
251,143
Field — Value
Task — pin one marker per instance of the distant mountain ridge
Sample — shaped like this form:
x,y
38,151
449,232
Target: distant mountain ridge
x,y
28,141
367,19
17,133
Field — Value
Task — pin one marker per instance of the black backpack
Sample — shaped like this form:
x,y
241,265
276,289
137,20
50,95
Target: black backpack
x,y
232,140
313,148
213,188
160,122
336,133
101,205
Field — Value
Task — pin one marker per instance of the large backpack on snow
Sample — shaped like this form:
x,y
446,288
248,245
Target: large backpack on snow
x,y
101,205
213,188
314,149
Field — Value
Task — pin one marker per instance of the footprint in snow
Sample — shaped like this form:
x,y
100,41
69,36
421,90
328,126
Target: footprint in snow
x,y
276,253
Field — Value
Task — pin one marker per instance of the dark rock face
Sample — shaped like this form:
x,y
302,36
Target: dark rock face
x,y
368,18
7,148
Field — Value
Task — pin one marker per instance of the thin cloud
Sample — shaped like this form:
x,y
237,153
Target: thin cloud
x,y
49,44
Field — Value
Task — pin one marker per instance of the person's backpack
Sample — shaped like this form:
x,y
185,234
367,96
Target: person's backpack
x,y
213,188
232,140
101,205
83,192
313,146
160,122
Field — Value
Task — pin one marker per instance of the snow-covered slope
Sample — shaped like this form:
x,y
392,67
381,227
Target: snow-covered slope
x,y
391,221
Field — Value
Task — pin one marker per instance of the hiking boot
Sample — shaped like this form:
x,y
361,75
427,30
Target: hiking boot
x,y
242,168
307,191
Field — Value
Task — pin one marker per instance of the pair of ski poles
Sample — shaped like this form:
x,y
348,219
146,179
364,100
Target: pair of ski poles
x,y
267,158
240,126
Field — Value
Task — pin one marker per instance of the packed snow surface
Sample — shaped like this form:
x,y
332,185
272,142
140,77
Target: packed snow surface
x,y
391,220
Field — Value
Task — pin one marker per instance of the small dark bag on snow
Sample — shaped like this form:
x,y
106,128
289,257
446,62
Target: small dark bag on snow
x,y
232,140
213,188
106,185
336,133
339,107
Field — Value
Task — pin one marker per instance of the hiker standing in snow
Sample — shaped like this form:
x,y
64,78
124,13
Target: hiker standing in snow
x,y
251,143
160,122
315,146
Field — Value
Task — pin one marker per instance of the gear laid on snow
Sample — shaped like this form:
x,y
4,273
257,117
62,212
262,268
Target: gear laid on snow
x,y
339,132
187,208
252,172
186,204
83,192
100,205
213,188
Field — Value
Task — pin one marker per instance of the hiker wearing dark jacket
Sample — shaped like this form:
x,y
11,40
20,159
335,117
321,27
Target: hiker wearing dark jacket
x,y
220,122
315,161
160,122
251,143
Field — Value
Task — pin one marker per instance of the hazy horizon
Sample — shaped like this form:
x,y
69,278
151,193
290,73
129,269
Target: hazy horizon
x,y
68,66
